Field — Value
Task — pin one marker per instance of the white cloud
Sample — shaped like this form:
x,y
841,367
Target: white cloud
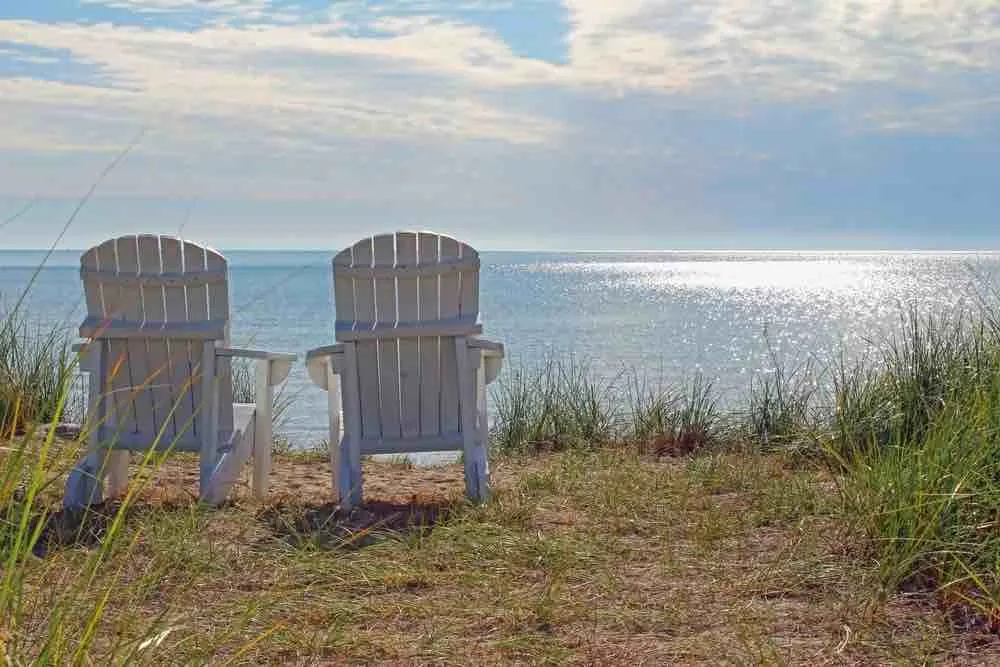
x,y
240,7
259,79
278,79
781,48
426,75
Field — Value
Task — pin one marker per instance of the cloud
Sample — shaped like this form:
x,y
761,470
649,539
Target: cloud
x,y
232,7
277,80
781,48
262,78
726,52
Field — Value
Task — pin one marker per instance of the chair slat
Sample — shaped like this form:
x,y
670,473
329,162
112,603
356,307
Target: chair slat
x,y
180,383
156,349
364,306
92,283
110,293
407,291
450,298
388,352
174,298
218,309
468,305
120,407
452,266
218,291
197,295
175,304
127,278
430,359
119,384
138,357
343,287
450,387
197,310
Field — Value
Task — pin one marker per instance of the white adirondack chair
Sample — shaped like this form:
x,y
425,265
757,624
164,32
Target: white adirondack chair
x,y
412,368
160,368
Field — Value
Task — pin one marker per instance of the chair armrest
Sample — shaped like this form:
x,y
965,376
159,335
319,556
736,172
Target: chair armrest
x,y
317,359
489,347
88,356
279,363
493,354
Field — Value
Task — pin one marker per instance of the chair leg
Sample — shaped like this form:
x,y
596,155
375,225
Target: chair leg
x,y
351,491
482,452
117,469
477,485
85,483
263,438
472,388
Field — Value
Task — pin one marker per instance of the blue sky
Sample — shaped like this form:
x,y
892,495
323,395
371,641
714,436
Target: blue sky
x,y
580,124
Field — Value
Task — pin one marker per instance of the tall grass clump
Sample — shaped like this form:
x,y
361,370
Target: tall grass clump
x,y
35,364
931,504
674,420
559,404
863,411
918,437
54,596
554,406
45,619
932,363
781,408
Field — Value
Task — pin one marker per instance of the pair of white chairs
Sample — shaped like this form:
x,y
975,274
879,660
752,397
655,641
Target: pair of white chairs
x,y
408,372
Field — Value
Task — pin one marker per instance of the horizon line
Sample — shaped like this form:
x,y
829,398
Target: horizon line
x,y
746,251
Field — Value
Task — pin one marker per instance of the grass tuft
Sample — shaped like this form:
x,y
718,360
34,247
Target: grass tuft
x,y
553,407
35,368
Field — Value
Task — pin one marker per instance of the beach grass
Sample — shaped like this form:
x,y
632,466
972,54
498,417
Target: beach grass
x,y
600,556
35,364
849,522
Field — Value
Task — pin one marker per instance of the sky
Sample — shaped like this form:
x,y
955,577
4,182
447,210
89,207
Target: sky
x,y
520,124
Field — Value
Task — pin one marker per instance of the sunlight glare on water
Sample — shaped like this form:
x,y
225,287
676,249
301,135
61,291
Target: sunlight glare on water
x,y
664,315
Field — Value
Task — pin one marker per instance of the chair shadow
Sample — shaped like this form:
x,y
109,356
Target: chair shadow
x,y
87,528
326,526
330,527
73,528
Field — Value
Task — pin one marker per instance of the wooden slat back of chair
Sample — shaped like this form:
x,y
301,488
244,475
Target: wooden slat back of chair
x,y
402,299
152,303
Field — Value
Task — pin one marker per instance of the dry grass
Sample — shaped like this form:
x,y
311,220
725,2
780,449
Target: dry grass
x,y
580,558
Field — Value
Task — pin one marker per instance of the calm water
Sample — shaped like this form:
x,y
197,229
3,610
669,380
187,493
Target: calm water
x,y
666,314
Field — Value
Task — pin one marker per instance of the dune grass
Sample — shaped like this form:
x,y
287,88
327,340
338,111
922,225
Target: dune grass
x,y
921,455
35,364
634,521
912,435
598,556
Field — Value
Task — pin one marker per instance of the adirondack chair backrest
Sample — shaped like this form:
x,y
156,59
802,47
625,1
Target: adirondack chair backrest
x,y
403,298
152,304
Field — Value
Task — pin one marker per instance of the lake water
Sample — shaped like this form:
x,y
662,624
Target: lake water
x,y
666,315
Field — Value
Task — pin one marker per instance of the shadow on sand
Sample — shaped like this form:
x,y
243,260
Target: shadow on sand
x,y
87,528
329,527
299,524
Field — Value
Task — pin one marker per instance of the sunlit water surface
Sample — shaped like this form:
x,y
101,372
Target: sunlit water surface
x,y
665,315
